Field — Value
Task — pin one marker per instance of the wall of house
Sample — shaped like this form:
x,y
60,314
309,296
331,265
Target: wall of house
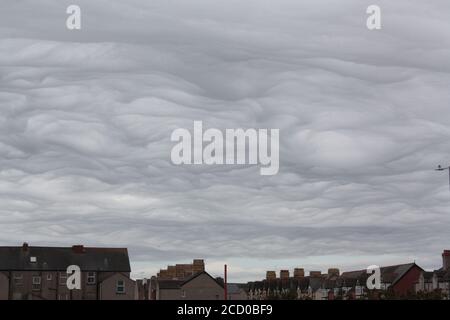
x,y
203,287
53,287
4,286
22,289
241,295
142,289
169,294
408,281
109,285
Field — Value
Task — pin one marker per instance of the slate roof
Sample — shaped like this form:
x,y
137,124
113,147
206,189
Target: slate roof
x,y
177,284
200,273
170,284
59,258
390,274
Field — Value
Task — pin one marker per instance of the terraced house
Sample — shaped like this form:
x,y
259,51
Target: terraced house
x,y
396,281
40,273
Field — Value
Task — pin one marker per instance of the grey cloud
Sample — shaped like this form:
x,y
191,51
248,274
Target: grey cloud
x,y
86,118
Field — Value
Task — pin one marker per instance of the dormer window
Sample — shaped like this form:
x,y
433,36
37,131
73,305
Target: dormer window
x,y
33,259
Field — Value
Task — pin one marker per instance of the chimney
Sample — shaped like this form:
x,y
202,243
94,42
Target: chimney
x,y
172,271
79,248
299,273
198,265
25,246
315,273
271,275
446,259
284,274
333,272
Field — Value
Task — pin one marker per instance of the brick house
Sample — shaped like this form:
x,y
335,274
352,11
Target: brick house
x,y
398,279
39,273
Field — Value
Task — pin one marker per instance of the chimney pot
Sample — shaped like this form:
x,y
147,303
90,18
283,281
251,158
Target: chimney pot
x,y
299,273
333,272
315,273
271,275
284,274
25,246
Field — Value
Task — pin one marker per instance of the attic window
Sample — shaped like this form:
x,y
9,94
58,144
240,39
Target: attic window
x,y
33,259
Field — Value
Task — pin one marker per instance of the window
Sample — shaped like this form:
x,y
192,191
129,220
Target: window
x,y
120,287
18,279
36,283
62,278
49,276
91,278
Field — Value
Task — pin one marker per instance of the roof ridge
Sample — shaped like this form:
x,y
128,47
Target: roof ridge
x,y
394,265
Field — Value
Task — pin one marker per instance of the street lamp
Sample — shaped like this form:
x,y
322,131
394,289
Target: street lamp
x,y
440,168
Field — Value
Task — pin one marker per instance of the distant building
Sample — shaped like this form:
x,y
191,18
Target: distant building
x,y
143,289
398,280
28,272
182,271
297,287
437,281
200,286
236,291
182,282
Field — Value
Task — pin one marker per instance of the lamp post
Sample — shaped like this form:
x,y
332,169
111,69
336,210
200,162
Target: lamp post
x,y
440,168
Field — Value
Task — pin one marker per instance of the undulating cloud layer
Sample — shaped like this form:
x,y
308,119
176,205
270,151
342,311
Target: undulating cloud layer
x,y
364,118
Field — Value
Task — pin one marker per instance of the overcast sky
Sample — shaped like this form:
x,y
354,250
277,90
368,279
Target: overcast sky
x,y
364,118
